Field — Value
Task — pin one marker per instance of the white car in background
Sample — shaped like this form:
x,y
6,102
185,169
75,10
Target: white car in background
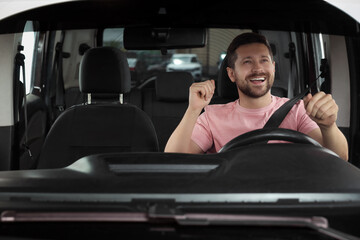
x,y
185,62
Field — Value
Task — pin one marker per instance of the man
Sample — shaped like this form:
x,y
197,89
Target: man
x,y
252,68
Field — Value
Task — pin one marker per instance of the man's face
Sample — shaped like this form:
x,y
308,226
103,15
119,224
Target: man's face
x,y
254,70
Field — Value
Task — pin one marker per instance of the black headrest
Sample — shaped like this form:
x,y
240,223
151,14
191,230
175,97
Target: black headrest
x,y
104,70
225,87
173,86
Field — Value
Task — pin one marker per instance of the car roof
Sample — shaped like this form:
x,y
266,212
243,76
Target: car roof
x,y
303,16
8,8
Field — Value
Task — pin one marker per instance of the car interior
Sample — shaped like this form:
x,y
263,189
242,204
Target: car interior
x,y
53,79
161,97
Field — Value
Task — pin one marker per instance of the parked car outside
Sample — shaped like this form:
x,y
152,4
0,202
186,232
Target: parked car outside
x,y
185,63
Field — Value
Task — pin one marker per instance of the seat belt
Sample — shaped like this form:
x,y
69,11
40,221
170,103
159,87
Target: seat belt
x,y
292,73
58,79
60,91
279,115
20,64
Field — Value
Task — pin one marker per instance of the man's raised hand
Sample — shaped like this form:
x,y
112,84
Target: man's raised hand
x,y
200,94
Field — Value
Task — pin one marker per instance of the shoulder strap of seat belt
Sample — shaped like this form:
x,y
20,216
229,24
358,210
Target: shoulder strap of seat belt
x,y
292,73
60,91
279,115
20,63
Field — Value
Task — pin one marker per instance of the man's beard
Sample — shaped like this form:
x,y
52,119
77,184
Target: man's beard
x,y
252,91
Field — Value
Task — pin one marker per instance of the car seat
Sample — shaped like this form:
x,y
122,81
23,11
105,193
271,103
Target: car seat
x,y
167,103
104,126
226,90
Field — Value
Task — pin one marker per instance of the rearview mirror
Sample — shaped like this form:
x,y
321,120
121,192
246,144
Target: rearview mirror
x,y
163,38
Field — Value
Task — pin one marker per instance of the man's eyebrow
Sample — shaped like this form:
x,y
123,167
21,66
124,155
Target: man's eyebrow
x,y
248,57
266,56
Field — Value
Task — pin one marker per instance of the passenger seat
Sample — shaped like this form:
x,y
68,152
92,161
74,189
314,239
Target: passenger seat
x,y
167,103
101,127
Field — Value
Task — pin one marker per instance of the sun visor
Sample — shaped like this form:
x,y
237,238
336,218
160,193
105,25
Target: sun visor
x,y
164,38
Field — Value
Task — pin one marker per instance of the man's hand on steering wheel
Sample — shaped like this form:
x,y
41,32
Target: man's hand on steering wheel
x,y
322,109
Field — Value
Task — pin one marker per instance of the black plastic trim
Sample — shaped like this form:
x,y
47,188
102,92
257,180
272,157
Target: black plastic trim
x,y
6,147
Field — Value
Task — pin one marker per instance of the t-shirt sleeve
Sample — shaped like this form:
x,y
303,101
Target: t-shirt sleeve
x,y
305,123
202,135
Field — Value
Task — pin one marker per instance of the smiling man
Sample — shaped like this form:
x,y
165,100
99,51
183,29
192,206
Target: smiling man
x,y
252,68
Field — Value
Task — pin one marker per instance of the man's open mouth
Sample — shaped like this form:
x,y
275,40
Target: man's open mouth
x,y
257,80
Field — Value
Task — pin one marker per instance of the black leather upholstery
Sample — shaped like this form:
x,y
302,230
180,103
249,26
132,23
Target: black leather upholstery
x,y
167,103
173,86
225,88
98,128
104,70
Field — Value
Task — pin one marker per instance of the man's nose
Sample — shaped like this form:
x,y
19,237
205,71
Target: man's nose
x,y
257,68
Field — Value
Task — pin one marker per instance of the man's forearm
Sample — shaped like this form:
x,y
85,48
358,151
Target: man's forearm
x,y
180,139
335,140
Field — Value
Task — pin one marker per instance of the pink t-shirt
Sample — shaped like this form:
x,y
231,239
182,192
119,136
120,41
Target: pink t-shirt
x,y
222,122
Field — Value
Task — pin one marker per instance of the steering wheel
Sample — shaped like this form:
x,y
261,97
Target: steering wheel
x,y
264,135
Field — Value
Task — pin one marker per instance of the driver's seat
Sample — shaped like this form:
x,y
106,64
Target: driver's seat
x,y
226,89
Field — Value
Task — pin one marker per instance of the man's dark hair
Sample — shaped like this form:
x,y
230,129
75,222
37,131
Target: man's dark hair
x,y
242,39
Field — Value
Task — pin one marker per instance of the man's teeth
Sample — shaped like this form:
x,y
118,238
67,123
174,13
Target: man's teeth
x,y
257,79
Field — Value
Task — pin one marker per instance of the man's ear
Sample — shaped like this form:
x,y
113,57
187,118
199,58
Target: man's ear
x,y
231,74
274,65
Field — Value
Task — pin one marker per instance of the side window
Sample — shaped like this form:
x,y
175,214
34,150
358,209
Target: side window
x,y
319,54
28,41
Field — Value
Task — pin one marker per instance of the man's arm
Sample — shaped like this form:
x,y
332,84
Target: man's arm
x,y
200,95
323,109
